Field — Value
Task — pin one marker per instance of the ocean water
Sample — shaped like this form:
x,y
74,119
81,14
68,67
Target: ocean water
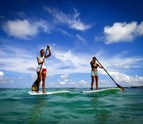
x,y
18,107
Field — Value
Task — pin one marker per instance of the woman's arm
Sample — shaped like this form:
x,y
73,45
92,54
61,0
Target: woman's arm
x,y
48,47
92,61
39,61
99,66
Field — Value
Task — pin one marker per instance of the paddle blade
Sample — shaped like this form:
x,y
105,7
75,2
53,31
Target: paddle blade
x,y
35,86
120,87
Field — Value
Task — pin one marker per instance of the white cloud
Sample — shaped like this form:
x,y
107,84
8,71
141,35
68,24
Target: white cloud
x,y
65,62
2,53
71,20
99,38
19,60
64,79
124,80
140,29
43,25
65,32
73,60
128,80
106,83
24,29
120,32
7,80
121,62
19,64
81,39
84,83
1,74
20,28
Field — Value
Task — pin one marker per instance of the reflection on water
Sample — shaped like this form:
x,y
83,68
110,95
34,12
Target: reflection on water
x,y
36,111
102,114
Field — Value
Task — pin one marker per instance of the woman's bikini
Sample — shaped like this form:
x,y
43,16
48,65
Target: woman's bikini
x,y
92,66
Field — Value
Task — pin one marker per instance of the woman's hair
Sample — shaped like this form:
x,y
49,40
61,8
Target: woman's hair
x,y
41,50
94,58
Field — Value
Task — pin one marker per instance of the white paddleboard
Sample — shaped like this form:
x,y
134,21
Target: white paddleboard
x,y
102,90
47,93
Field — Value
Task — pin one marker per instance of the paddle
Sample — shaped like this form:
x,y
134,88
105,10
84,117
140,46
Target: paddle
x,y
35,86
110,76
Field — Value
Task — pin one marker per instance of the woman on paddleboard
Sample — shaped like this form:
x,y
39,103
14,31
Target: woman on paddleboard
x,y
42,71
94,72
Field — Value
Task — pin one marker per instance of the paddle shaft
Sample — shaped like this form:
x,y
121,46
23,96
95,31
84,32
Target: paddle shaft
x,y
110,76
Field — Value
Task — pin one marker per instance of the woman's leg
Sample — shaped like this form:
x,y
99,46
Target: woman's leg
x,y
43,81
92,82
96,78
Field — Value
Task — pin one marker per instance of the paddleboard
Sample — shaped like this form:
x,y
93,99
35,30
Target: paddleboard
x,y
47,93
103,90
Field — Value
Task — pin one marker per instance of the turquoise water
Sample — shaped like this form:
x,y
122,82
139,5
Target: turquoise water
x,y
17,106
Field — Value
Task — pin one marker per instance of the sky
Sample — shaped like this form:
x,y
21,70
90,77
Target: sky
x,y
76,30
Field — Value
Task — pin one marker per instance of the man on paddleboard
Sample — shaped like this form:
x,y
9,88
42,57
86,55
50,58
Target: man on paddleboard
x,y
94,72
41,62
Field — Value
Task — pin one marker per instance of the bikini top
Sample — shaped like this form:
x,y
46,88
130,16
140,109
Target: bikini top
x,y
92,66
